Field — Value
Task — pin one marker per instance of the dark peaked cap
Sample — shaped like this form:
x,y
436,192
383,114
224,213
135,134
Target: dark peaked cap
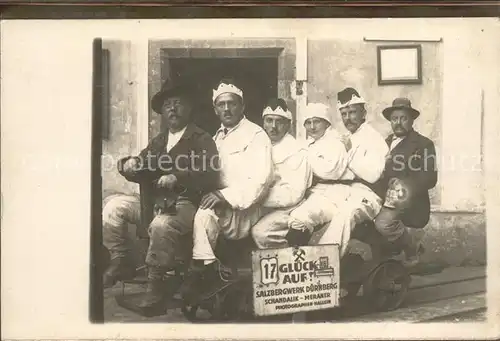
x,y
347,97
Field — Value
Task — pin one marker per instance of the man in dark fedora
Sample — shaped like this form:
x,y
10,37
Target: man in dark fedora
x,y
176,169
410,172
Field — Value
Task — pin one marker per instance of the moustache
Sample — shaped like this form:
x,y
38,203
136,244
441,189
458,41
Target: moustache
x,y
173,115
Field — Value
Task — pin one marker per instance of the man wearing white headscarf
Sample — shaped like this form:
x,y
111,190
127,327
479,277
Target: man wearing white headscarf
x,y
328,159
356,196
292,177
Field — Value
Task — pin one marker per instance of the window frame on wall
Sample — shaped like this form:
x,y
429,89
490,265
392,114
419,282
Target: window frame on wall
x,y
402,80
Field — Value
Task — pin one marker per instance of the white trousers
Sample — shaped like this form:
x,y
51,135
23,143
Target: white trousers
x,y
271,230
234,224
359,205
321,205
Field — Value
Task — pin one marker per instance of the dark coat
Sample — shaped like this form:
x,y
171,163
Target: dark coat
x,y
413,160
193,160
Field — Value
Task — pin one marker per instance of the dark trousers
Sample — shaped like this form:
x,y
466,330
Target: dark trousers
x,y
388,222
166,232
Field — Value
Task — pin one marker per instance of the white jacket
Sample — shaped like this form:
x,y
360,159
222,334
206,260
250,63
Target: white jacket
x,y
246,164
327,155
292,171
366,158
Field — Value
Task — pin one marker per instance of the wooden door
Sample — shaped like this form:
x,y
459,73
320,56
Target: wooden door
x,y
266,67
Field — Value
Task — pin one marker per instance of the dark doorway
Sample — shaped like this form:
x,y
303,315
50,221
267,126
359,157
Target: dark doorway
x,y
257,77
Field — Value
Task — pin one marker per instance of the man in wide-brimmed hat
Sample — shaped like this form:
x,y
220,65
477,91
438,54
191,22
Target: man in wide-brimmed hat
x,y
409,174
177,167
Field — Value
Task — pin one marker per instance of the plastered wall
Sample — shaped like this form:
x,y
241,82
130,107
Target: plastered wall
x,y
334,64
122,117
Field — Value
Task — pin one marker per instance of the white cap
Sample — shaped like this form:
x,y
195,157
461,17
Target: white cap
x,y
278,111
226,88
319,110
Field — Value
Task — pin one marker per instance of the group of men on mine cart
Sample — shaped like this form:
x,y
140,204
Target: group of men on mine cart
x,y
261,182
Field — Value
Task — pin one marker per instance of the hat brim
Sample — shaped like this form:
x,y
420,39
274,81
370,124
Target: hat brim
x,y
160,97
387,111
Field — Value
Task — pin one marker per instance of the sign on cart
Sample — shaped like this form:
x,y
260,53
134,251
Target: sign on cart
x,y
295,279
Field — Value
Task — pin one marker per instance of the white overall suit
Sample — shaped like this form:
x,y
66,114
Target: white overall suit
x,y
356,202
293,176
246,171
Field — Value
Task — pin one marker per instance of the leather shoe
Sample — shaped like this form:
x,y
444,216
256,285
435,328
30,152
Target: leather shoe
x,y
119,269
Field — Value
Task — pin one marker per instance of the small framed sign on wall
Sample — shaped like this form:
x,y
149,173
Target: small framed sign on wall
x,y
399,64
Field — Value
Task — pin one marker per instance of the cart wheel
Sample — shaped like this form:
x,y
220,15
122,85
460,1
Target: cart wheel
x,y
213,306
387,285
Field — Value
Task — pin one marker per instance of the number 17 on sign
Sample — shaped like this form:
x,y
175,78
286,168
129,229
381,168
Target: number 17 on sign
x,y
269,270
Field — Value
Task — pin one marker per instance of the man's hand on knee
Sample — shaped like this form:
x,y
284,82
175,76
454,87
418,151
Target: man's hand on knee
x,y
211,200
298,233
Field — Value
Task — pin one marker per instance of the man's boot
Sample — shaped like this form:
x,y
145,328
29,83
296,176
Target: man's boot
x,y
192,285
203,279
153,302
410,247
120,268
